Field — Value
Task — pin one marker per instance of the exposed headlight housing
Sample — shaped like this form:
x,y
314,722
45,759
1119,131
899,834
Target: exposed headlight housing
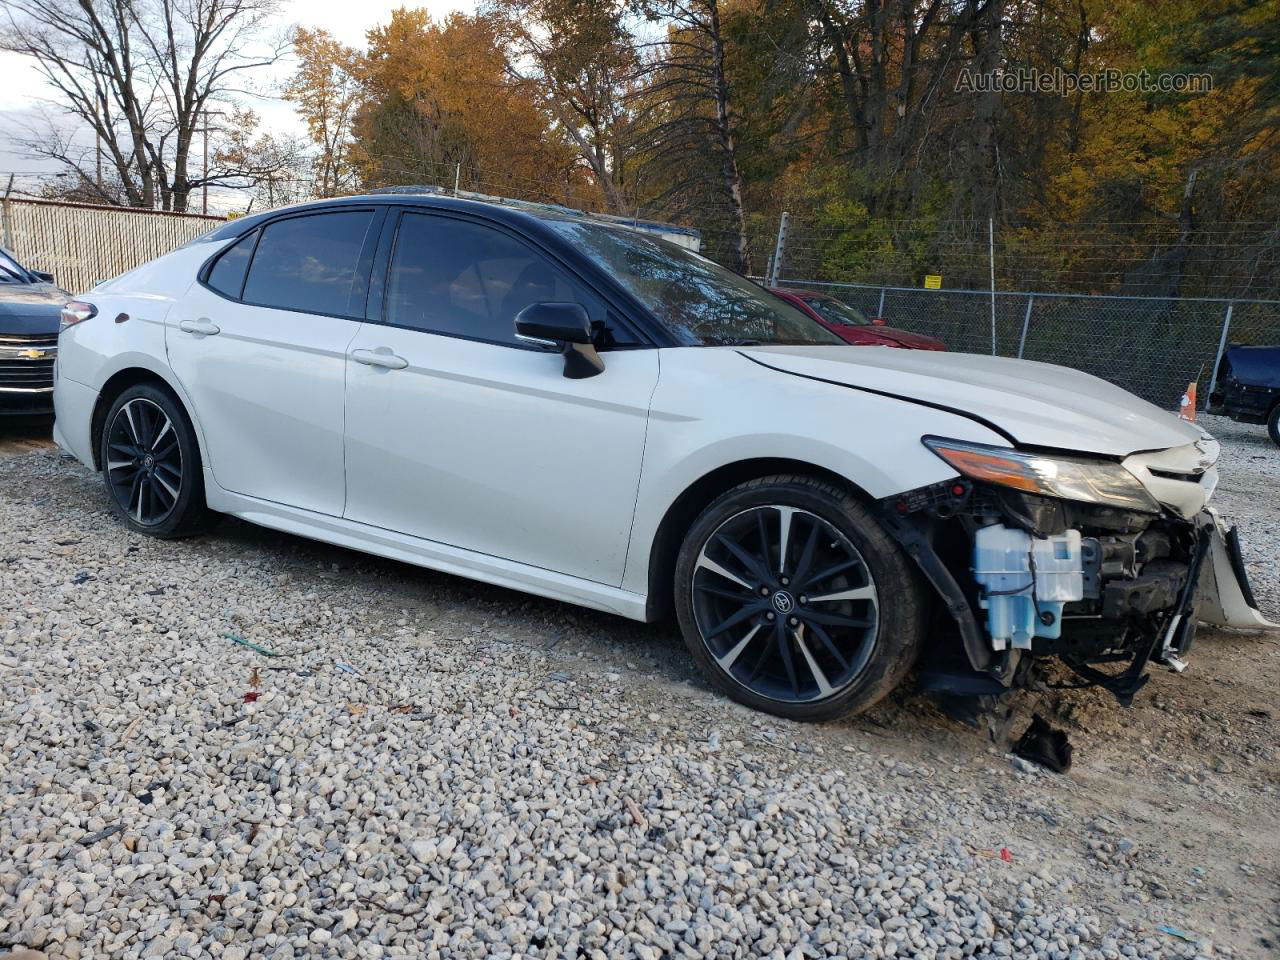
x,y
1067,478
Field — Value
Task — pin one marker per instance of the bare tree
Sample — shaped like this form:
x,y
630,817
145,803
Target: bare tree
x,y
686,120
580,61
275,168
142,75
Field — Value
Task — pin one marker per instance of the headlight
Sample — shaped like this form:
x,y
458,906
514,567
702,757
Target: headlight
x,y
76,311
1089,481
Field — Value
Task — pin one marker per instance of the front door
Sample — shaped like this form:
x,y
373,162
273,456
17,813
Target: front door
x,y
459,433
260,346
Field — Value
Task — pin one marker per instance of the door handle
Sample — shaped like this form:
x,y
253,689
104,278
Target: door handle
x,y
203,326
382,357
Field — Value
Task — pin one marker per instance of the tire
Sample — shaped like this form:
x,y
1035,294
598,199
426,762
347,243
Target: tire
x,y
151,464
1273,425
847,649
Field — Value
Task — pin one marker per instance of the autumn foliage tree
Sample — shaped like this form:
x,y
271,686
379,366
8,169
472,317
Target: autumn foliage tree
x,y
327,90
874,123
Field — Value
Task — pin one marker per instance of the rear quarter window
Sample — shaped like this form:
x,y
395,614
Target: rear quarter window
x,y
228,273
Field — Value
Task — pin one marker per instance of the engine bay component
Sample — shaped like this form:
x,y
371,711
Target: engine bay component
x,y
1025,582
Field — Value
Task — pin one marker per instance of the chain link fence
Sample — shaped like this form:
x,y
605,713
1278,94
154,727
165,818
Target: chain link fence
x,y
1152,347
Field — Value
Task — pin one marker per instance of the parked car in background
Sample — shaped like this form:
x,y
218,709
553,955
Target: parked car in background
x,y
1248,387
545,401
851,324
30,305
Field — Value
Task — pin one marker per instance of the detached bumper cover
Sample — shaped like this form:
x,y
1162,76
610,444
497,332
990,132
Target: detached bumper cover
x,y
1225,598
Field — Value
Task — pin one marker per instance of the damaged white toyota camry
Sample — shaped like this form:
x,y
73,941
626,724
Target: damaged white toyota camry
x,y
563,406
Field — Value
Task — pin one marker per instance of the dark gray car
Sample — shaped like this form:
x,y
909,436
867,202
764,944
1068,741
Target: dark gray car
x,y
30,306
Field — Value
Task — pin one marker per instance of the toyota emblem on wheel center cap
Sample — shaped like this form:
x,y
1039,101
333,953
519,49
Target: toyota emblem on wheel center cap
x,y
783,602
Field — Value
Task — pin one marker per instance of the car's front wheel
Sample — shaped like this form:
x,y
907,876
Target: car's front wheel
x,y
793,599
151,464
1273,425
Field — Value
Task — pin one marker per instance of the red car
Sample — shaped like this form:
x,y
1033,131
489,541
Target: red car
x,y
850,325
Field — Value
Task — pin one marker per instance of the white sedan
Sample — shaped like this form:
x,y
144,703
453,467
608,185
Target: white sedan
x,y
564,406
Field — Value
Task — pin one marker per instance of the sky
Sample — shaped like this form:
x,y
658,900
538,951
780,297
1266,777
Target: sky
x,y
22,89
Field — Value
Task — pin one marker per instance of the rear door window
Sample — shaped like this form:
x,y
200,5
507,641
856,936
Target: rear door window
x,y
311,264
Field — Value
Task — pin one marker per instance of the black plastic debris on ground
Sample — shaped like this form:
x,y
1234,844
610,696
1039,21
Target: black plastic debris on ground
x,y
1044,745
91,838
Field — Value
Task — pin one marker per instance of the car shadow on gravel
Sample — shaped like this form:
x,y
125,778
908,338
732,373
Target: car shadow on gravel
x,y
431,595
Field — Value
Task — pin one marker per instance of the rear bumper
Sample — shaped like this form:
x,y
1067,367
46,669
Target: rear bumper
x,y
73,428
1246,404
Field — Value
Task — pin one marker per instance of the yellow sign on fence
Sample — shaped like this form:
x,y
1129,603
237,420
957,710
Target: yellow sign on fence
x,y
932,282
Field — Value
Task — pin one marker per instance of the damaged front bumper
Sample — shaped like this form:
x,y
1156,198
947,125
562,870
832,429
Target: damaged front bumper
x,y
1225,595
1106,591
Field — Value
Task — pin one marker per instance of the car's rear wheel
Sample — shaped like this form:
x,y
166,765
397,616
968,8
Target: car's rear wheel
x,y
794,600
151,464
1273,425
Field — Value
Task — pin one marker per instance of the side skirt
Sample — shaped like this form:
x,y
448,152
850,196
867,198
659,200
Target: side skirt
x,y
427,553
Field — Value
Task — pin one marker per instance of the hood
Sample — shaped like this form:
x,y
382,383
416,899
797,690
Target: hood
x,y
1037,404
914,341
30,307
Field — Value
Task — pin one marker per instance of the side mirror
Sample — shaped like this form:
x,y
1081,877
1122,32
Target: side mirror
x,y
41,275
877,321
564,327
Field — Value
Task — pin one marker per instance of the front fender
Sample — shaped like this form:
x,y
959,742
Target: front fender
x,y
697,427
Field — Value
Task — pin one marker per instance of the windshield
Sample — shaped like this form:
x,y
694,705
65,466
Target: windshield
x,y
699,301
10,270
833,311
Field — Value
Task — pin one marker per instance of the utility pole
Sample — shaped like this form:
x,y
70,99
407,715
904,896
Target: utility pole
x,y
991,253
6,219
775,265
204,177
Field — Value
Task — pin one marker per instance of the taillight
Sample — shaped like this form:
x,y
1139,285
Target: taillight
x,y
76,311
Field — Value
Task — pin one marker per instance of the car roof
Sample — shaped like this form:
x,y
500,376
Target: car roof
x,y
516,213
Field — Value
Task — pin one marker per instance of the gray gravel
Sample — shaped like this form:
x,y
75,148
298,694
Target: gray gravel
x,y
429,768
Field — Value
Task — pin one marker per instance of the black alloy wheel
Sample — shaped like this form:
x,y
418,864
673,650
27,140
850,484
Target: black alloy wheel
x,y
144,471
151,463
793,599
785,603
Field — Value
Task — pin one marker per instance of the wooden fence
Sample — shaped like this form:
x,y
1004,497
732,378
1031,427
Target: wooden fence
x,y
82,245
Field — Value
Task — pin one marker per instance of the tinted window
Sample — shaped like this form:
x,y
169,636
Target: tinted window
x,y
833,311
465,279
309,263
699,301
10,270
227,275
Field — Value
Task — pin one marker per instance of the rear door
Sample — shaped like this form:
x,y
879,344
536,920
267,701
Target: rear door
x,y
260,346
459,433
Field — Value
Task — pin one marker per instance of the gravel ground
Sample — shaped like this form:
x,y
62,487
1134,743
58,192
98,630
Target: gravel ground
x,y
425,766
